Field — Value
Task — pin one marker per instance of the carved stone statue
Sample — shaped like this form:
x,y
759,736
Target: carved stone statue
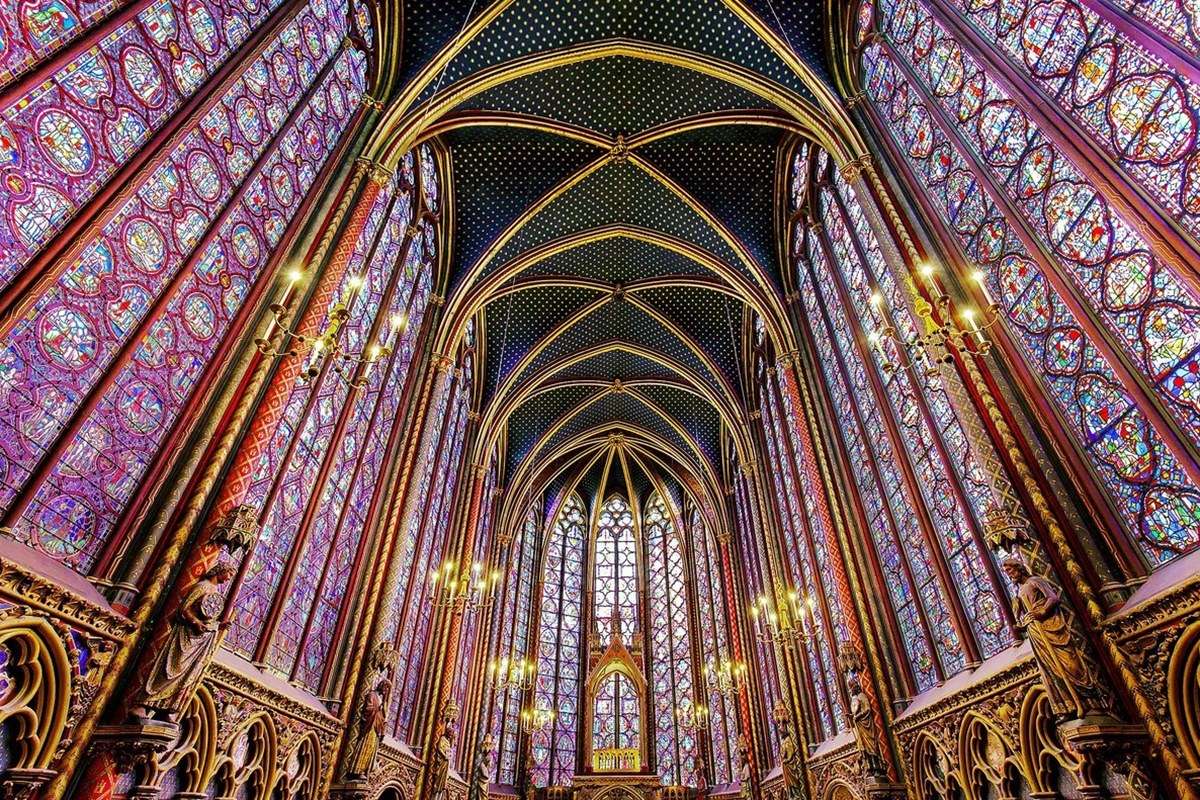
x,y
790,757
439,766
745,775
194,636
368,728
530,766
1070,678
862,721
484,767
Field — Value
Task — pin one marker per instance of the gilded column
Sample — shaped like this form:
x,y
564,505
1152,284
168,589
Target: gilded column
x,y
388,575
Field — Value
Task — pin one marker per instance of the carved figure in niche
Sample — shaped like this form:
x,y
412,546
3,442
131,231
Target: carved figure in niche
x,y
790,757
484,766
195,633
530,766
1070,678
439,767
862,722
368,727
745,776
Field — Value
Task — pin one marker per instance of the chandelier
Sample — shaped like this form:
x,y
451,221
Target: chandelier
x,y
798,623
728,677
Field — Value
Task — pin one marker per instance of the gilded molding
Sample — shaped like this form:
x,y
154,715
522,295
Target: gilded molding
x,y
29,588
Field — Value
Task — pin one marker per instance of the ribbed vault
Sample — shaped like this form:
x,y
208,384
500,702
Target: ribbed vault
x,y
615,169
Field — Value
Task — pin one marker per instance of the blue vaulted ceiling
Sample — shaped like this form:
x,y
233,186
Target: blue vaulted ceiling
x,y
615,216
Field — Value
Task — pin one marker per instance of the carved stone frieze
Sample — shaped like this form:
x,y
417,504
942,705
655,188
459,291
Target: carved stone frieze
x,y
27,587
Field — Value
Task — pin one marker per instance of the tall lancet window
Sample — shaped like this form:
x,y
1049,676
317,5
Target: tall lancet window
x,y
615,580
672,676
617,713
1075,235
902,431
511,629
712,619
559,642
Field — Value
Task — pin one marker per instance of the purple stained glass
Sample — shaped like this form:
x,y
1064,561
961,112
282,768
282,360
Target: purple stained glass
x,y
558,641
672,678
1158,502
59,351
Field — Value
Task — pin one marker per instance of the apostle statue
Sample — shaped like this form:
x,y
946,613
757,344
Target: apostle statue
x,y
862,722
530,766
1070,678
368,728
484,767
439,767
745,775
790,757
195,633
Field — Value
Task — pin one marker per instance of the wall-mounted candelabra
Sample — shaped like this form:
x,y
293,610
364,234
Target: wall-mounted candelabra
x,y
327,344
515,674
796,621
536,720
727,676
945,336
464,588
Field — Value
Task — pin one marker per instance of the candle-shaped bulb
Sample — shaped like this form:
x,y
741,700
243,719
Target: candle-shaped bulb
x,y
876,299
294,276
981,278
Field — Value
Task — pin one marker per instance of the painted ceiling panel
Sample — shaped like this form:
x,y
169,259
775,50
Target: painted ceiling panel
x,y
708,27
618,259
620,321
538,414
695,414
730,170
518,321
711,318
618,365
616,407
618,192
498,173
617,95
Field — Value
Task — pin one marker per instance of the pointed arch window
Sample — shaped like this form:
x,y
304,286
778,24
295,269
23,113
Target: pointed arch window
x,y
560,646
615,587
712,615
673,679
919,449
511,626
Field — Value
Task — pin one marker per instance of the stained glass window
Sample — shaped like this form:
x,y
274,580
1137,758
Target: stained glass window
x,y
435,517
470,626
673,680
511,626
1054,252
757,584
801,545
712,615
559,646
615,582
902,547
151,289
616,715
955,491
